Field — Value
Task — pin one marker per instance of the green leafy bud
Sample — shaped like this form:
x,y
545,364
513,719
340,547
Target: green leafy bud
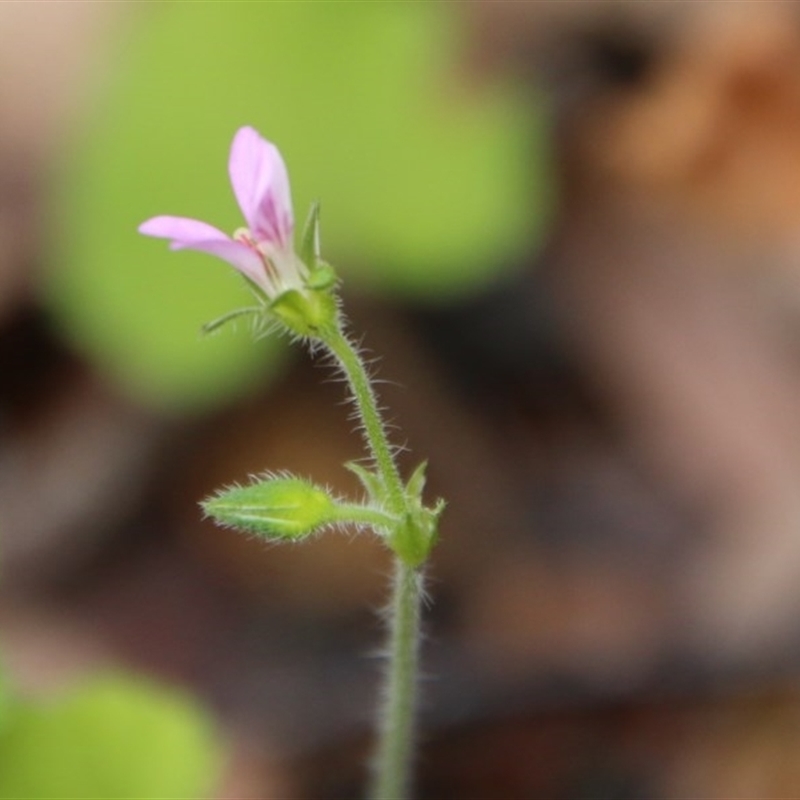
x,y
275,508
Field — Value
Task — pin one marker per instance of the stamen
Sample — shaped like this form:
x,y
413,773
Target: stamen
x,y
244,236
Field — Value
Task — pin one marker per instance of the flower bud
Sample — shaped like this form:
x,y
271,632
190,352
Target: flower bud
x,y
275,508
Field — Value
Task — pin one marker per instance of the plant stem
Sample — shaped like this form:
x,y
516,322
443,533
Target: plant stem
x,y
392,767
374,430
363,515
396,721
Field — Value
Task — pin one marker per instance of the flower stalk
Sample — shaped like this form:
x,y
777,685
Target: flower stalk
x,y
297,292
373,427
392,768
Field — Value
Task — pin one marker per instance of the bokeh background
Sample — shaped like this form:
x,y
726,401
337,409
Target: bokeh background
x,y
571,232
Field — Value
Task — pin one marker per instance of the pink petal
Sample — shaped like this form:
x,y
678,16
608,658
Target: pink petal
x,y
237,254
191,234
181,230
261,185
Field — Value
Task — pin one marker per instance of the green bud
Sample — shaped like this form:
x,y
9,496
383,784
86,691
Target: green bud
x,y
275,508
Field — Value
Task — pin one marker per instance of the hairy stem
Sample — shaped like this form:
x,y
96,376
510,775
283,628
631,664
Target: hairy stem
x,y
363,515
392,767
373,425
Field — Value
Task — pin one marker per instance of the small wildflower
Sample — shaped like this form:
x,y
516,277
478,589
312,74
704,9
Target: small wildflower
x,y
263,251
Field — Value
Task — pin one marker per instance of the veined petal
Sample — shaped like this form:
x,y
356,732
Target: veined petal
x,y
181,230
237,254
261,186
191,234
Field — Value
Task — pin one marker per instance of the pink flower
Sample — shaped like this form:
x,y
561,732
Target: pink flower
x,y
263,252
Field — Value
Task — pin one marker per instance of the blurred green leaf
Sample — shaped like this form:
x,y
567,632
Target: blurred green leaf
x,y
112,738
426,188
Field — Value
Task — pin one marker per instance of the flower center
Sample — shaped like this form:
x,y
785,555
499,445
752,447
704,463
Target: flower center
x,y
244,236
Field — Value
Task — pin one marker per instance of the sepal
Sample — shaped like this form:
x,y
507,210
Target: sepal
x,y
370,481
305,313
323,277
219,322
414,538
416,483
310,240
